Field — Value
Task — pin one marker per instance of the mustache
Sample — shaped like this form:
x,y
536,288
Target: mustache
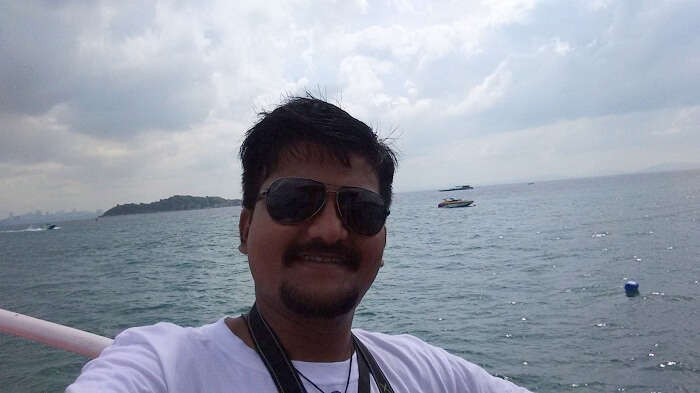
x,y
348,256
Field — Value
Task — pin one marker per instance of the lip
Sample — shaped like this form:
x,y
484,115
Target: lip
x,y
320,256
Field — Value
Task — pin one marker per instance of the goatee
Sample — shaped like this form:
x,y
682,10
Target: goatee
x,y
310,306
315,305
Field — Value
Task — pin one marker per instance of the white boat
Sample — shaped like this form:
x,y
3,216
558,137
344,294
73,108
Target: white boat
x,y
458,188
453,202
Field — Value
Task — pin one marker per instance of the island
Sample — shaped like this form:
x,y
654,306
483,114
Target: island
x,y
177,202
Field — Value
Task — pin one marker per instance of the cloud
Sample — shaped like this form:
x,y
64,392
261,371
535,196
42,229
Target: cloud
x,y
133,101
486,94
82,171
602,145
106,76
562,48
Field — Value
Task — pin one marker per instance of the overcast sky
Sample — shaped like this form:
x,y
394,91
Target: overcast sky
x,y
114,102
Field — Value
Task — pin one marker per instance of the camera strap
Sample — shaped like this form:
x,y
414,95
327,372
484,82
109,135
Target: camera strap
x,y
283,373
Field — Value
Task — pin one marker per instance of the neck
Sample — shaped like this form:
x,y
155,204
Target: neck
x,y
310,339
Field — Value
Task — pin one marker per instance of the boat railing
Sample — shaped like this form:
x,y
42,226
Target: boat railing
x,y
49,333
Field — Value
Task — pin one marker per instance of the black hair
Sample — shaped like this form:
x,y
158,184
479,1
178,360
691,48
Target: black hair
x,y
309,120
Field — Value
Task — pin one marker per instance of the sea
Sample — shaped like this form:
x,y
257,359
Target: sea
x,y
527,283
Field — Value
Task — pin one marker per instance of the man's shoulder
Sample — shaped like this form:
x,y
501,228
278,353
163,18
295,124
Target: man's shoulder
x,y
394,340
411,350
186,359
166,334
408,358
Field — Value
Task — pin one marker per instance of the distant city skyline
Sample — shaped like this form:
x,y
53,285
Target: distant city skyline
x,y
42,217
106,103
48,212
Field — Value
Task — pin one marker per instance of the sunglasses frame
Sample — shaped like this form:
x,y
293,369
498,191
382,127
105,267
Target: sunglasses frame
x,y
328,189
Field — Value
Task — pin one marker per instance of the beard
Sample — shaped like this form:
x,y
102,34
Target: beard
x,y
318,306
304,302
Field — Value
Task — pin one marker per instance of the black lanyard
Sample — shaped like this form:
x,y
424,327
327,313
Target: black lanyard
x,y
282,371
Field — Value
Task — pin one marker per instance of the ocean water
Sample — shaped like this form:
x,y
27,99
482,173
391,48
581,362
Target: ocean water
x,y
528,283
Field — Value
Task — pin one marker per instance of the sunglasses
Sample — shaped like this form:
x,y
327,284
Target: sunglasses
x,y
292,200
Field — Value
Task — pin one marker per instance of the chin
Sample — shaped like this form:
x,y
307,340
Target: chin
x,y
316,305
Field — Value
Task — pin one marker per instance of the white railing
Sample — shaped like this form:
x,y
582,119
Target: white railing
x,y
53,334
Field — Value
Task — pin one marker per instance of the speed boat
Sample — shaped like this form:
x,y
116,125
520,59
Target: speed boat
x,y
453,202
458,188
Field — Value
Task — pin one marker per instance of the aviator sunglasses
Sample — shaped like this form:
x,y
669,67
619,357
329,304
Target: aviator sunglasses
x,y
292,200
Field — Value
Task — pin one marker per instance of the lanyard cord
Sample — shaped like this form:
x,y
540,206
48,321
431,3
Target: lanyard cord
x,y
283,373
272,354
369,361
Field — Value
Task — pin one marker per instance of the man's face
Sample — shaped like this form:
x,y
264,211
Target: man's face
x,y
316,268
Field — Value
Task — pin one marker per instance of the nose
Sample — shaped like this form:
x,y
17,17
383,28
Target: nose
x,y
326,224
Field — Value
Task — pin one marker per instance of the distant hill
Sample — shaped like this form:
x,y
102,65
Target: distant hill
x,y
177,202
673,166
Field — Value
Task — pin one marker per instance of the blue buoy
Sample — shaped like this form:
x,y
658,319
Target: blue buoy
x,y
631,288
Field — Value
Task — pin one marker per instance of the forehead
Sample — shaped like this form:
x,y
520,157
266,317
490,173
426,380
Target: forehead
x,y
314,163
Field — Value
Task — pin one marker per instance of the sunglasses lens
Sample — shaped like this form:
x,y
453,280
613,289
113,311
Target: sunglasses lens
x,y
291,200
362,211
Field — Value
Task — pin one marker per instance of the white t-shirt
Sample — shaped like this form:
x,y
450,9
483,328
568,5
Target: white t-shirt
x,y
168,358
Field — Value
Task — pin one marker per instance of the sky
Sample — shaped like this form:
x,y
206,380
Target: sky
x,y
116,102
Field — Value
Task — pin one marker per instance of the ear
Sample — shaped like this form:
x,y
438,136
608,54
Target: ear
x,y
381,264
244,228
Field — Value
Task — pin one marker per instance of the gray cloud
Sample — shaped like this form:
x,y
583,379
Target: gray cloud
x,y
38,52
135,101
104,71
575,63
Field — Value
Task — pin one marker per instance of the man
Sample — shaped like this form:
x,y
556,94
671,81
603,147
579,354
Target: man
x,y
317,187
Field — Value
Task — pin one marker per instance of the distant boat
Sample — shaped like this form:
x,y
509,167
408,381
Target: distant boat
x,y
50,226
458,188
453,202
